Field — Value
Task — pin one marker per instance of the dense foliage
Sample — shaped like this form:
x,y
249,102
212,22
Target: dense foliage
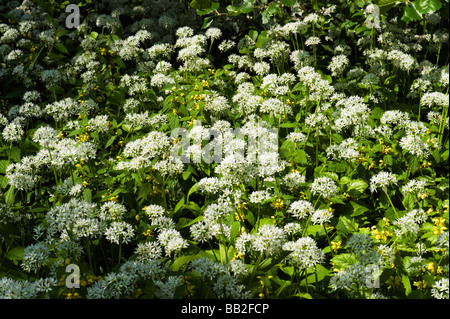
x,y
337,186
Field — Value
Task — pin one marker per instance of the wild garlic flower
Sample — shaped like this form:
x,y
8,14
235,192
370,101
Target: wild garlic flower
x,y
258,197
440,289
305,253
301,209
382,180
148,251
13,132
35,257
338,64
324,186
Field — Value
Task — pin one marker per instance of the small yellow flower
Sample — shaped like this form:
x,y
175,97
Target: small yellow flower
x,y
102,51
147,233
394,281
431,268
278,203
420,284
335,245
83,137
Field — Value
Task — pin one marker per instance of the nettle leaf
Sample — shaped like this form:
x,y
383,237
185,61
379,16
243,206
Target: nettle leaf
x,y
343,261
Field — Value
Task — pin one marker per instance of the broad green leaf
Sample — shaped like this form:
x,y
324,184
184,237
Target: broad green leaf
x,y
288,3
358,208
15,254
358,185
427,6
346,226
411,14
407,284
200,4
382,3
3,166
3,181
181,261
343,261
10,195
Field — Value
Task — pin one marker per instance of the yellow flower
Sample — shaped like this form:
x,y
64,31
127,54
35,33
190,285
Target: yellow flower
x,y
394,281
336,245
147,233
439,227
430,267
84,137
278,203
420,284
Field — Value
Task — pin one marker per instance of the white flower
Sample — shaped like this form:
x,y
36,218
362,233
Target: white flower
x,y
172,241
13,132
440,289
312,41
148,251
269,239
414,187
213,33
324,186
382,180
294,179
301,209
321,216
258,197
338,64
305,253
119,231
35,257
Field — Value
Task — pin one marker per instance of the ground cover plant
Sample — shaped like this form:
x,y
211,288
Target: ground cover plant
x,y
224,149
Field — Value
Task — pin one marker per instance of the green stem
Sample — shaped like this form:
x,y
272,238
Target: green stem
x,y
390,201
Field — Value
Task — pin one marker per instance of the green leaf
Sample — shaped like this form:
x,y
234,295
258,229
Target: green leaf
x,y
409,201
382,3
3,181
14,153
110,141
427,6
358,208
87,195
288,3
61,48
358,185
343,261
407,284
207,22
234,231
248,6
201,4
274,8
10,195
346,226
15,254
3,166
414,163
411,14
181,261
